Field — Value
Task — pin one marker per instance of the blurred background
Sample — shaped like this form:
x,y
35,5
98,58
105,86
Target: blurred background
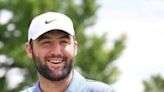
x,y
122,42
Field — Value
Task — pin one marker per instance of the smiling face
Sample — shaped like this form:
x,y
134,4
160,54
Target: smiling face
x,y
53,54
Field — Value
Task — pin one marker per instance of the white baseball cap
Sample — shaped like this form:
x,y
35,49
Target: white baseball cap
x,y
50,21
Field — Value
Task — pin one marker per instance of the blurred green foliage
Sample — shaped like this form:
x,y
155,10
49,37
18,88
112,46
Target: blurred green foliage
x,y
155,84
93,59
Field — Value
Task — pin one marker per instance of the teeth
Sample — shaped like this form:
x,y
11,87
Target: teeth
x,y
55,60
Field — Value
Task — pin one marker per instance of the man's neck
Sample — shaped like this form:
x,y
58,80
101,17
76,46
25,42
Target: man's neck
x,y
58,86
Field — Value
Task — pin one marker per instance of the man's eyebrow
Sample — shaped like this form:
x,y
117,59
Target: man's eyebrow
x,y
42,37
65,36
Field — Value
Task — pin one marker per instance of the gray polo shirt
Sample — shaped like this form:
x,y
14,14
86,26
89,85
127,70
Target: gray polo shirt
x,y
79,84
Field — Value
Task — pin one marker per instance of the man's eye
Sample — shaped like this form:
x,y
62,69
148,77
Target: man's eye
x,y
45,42
64,42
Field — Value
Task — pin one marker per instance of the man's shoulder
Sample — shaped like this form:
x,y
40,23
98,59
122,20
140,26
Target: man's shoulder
x,y
34,88
82,84
97,86
30,89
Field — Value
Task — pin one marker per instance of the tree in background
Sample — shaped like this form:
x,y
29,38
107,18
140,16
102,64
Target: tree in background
x,y
155,84
93,59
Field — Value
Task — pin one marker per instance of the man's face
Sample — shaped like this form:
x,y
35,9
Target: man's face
x,y
53,54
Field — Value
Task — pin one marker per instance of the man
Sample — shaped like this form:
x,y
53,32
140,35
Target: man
x,y
52,46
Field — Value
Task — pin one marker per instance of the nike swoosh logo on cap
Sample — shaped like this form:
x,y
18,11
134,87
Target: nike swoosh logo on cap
x,y
47,22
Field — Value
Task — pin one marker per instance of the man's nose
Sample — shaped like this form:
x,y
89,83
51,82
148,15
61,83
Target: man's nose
x,y
56,50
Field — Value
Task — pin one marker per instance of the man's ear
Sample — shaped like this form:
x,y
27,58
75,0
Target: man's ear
x,y
28,49
75,46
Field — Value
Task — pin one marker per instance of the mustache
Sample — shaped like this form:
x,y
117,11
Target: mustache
x,y
55,57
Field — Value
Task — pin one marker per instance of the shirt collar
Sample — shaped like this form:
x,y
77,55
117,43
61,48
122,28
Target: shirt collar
x,y
77,83
37,88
